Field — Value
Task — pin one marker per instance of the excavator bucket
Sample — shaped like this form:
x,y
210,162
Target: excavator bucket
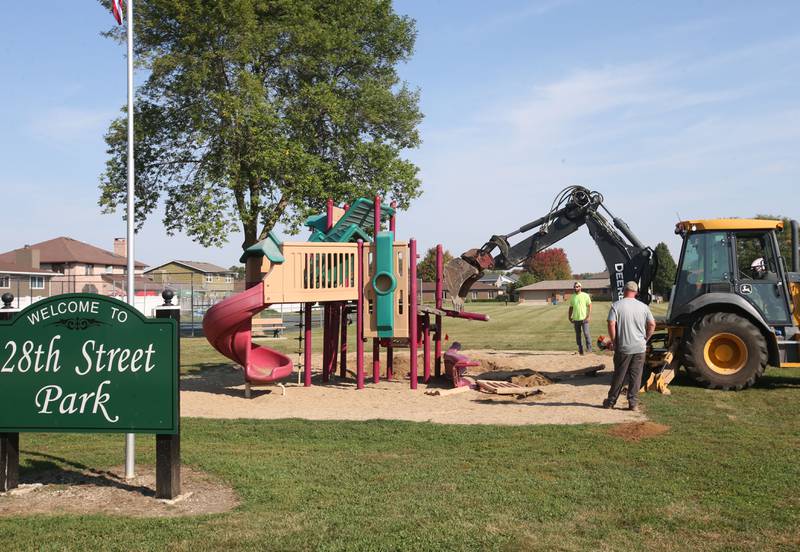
x,y
459,275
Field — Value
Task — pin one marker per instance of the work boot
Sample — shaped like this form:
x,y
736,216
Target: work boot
x,y
608,404
634,408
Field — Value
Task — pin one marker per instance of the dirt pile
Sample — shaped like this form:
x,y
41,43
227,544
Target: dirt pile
x,y
532,380
636,431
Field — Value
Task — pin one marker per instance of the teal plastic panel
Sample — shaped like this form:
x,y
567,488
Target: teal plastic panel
x,y
384,283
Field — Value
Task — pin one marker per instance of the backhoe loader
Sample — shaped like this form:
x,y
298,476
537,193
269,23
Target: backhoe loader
x,y
734,308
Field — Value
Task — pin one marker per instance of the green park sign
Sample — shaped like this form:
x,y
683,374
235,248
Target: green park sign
x,y
88,363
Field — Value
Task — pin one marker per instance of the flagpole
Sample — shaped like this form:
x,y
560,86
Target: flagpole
x,y
130,441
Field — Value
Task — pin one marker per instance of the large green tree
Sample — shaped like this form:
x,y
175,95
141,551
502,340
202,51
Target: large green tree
x,y
254,112
784,238
665,277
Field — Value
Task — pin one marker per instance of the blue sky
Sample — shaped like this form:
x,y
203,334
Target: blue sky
x,y
668,109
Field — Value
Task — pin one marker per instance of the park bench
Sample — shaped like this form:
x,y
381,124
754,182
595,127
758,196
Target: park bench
x,y
264,325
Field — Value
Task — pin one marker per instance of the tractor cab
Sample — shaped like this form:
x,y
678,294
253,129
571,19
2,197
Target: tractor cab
x,y
734,301
735,257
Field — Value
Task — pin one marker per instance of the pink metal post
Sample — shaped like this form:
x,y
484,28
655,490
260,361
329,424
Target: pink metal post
x,y
376,360
467,315
307,355
389,347
412,312
438,334
377,214
329,213
326,341
343,345
426,348
360,318
336,311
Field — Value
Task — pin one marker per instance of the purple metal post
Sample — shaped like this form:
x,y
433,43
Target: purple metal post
x,y
336,311
360,318
413,336
376,360
426,348
343,345
389,347
438,334
307,355
326,340
377,214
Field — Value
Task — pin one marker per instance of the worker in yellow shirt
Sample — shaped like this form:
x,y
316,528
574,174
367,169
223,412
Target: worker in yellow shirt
x,y
580,313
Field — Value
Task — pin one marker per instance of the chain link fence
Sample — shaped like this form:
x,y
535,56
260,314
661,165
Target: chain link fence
x,y
194,293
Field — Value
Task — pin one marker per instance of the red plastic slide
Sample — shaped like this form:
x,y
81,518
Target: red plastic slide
x,y
227,326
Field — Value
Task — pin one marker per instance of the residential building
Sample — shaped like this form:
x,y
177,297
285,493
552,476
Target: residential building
x,y
478,292
207,282
559,291
79,267
499,280
24,278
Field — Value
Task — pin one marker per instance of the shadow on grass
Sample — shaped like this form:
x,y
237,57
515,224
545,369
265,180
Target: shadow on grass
x,y
777,382
52,470
771,380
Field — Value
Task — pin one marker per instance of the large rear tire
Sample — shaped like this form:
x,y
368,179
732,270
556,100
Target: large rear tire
x,y
725,351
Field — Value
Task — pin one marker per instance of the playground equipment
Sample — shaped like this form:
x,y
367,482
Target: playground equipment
x,y
457,364
350,264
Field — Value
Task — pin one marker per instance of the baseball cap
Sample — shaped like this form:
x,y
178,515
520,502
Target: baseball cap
x,y
631,286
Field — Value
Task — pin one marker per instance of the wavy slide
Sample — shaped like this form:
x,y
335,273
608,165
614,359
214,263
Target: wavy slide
x,y
227,326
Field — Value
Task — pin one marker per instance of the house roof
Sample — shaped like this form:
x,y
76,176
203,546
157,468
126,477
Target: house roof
x,y
552,285
592,276
494,277
11,268
69,250
198,266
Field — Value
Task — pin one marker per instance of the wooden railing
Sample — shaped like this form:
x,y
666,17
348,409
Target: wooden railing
x,y
312,272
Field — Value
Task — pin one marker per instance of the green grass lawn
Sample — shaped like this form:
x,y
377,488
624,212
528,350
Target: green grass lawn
x,y
724,477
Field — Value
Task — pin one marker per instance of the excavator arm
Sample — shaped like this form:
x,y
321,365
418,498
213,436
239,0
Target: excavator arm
x,y
625,256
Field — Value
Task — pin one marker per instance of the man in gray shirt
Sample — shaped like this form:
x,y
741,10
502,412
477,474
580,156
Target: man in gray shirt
x,y
630,326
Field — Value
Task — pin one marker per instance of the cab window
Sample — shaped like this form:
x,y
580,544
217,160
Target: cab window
x,y
705,261
755,259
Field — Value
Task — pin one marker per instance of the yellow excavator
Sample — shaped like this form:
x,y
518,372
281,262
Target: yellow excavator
x,y
734,308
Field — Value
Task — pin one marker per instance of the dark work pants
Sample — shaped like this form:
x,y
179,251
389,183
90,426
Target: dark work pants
x,y
582,326
627,369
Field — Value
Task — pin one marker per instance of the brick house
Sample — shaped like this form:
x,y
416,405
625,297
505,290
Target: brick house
x,y
479,292
79,267
24,278
209,282
559,291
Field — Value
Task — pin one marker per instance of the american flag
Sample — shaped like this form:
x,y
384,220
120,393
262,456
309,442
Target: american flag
x,y
116,7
